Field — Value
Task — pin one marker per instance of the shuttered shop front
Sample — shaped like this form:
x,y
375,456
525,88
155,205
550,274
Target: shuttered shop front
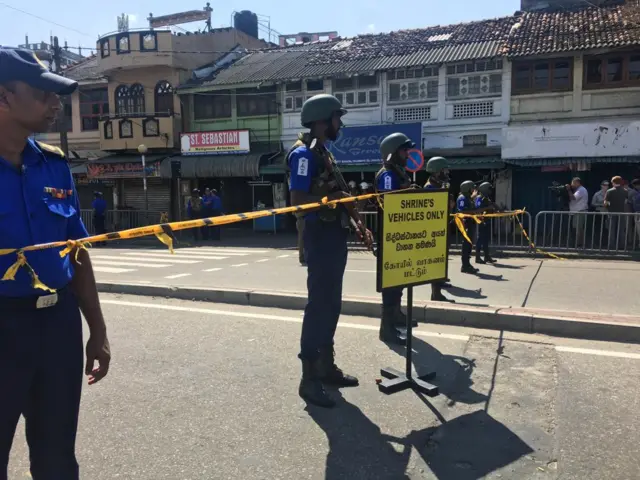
x,y
158,193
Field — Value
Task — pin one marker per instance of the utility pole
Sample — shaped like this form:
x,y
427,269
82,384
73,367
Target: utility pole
x,y
57,62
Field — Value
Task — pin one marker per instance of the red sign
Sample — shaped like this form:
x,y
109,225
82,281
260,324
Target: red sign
x,y
208,143
120,170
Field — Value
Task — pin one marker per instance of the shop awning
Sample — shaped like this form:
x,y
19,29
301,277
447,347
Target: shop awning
x,y
474,163
210,166
548,162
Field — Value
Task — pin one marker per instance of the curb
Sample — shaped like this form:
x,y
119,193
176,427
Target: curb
x,y
557,323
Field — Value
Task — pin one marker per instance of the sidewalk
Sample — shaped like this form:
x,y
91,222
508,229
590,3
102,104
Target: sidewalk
x,y
515,294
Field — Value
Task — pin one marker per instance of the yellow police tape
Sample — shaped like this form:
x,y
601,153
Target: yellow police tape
x,y
164,231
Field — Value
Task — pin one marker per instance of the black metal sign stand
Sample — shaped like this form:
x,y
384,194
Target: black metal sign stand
x,y
397,381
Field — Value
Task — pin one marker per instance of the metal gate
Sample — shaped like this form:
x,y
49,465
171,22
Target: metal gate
x,y
158,192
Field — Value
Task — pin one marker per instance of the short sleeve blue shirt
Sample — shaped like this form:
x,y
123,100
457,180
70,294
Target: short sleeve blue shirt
x,y
388,180
463,203
303,168
99,205
38,204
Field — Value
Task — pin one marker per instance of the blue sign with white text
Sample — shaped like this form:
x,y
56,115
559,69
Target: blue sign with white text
x,y
361,145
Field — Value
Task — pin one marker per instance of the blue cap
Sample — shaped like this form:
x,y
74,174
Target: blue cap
x,y
17,64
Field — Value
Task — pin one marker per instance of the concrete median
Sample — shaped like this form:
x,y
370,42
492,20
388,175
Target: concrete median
x,y
560,323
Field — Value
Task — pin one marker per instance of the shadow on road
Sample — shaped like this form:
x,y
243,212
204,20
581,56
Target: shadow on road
x,y
504,266
487,276
466,292
467,447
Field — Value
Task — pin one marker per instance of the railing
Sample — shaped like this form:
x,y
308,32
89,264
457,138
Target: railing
x,y
589,232
122,219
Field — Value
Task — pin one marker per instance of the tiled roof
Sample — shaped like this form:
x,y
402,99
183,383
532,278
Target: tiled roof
x,y
426,46
85,70
568,30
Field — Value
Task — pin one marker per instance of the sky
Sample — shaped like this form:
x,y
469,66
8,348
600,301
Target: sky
x,y
80,24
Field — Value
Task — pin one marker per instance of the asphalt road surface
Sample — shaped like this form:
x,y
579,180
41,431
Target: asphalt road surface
x,y
202,391
574,285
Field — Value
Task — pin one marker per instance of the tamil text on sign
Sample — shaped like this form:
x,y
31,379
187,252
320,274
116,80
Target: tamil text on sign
x,y
412,243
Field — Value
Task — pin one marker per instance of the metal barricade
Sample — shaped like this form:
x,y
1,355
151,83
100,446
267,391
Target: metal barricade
x,y
506,233
122,219
605,233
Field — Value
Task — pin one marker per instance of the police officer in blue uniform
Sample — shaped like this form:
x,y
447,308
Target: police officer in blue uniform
x,y
484,203
313,175
465,204
393,176
41,351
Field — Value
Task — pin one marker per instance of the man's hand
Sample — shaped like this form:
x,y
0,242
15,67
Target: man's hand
x,y
365,235
338,195
97,350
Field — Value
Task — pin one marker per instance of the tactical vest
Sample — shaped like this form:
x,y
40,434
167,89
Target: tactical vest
x,y
326,180
405,181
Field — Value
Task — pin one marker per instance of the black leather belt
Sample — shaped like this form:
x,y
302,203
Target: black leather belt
x,y
33,302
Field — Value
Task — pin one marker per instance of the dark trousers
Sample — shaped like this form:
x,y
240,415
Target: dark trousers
x,y
466,246
482,244
325,246
206,231
99,223
300,228
392,297
196,231
214,232
41,367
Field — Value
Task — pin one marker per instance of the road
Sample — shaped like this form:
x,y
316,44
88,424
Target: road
x,y
203,391
573,285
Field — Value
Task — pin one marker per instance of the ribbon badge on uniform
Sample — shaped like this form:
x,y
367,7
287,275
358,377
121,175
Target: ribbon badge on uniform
x,y
58,193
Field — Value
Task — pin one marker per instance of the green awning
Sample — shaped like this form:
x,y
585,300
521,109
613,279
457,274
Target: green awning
x,y
549,162
279,167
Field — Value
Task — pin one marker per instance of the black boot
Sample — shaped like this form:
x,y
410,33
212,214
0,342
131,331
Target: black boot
x,y
488,259
479,259
469,269
401,318
439,297
388,331
311,388
331,374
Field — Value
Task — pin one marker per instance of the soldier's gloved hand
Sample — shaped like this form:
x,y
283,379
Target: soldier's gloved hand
x,y
337,195
365,235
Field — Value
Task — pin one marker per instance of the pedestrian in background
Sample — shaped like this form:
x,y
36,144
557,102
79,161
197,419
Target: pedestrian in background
x,y
615,201
41,351
207,211
635,206
579,206
600,223
216,205
99,206
194,210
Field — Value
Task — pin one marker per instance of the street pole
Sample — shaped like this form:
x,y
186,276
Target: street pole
x,y
64,140
142,149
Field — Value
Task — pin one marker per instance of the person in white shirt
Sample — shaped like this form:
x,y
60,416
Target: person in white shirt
x,y
578,205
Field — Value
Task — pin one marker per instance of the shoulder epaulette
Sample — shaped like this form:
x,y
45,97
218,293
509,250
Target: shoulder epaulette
x,y
57,151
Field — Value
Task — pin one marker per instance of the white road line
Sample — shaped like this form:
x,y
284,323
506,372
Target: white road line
x,y
262,260
262,316
179,275
98,268
197,254
156,260
602,353
168,256
361,271
283,256
240,265
212,270
222,250
125,263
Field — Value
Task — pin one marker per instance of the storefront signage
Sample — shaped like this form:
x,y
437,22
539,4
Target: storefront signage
x,y
215,143
121,170
84,180
361,145
413,239
574,140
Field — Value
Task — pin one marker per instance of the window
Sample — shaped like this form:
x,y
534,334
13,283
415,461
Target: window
x,y
543,76
252,102
164,98
474,67
315,85
474,79
357,91
148,41
420,72
105,50
208,106
150,127
137,99
64,121
126,129
413,85
470,110
122,43
130,100
474,140
93,105
108,130
122,98
612,71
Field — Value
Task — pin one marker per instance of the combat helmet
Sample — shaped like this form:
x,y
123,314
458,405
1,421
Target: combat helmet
x,y
467,187
391,143
320,108
436,164
485,188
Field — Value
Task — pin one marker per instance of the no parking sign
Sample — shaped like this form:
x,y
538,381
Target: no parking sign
x,y
415,161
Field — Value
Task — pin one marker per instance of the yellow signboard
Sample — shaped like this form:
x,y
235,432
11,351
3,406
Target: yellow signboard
x,y
412,241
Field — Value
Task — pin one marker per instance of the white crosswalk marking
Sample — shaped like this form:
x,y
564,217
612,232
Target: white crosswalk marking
x,y
170,256
128,264
100,269
212,270
156,260
223,250
179,275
